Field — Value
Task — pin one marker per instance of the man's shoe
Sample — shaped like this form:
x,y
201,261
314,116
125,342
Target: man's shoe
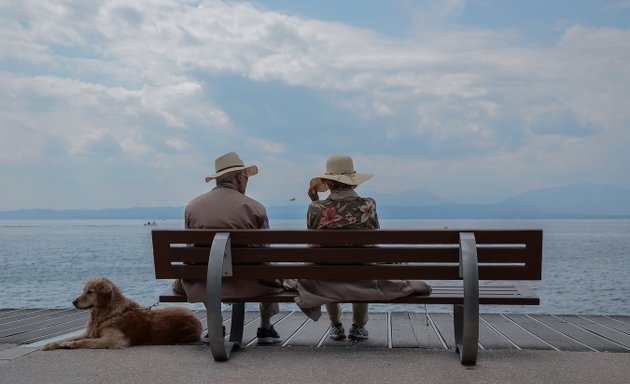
x,y
337,332
267,336
206,339
357,333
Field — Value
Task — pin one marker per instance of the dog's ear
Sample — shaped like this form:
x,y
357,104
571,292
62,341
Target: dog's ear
x,y
116,293
104,293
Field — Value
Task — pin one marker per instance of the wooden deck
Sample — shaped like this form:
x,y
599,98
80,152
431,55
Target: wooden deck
x,y
595,333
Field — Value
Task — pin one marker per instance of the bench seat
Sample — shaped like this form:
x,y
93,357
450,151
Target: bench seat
x,y
440,294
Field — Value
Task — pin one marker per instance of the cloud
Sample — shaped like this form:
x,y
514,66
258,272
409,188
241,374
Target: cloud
x,y
620,4
267,146
80,114
160,86
435,12
562,121
177,144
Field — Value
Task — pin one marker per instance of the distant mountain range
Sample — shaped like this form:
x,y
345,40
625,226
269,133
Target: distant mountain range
x,y
580,200
583,200
145,213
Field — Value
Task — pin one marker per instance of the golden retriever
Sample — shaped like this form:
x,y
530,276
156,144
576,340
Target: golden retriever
x,y
118,322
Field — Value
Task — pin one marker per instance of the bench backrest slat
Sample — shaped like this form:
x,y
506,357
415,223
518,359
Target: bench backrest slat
x,y
427,254
350,255
331,237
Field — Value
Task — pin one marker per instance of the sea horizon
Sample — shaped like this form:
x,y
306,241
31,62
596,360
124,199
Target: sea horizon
x,y
288,212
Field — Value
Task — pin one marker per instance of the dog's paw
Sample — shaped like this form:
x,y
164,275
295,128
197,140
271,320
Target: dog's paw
x,y
50,346
57,345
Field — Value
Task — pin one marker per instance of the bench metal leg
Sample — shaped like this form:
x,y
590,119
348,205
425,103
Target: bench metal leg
x,y
466,334
218,262
238,321
466,316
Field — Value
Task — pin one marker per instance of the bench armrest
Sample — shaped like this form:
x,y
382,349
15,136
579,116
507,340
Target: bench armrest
x,y
219,265
466,317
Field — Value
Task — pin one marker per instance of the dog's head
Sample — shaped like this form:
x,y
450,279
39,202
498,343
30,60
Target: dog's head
x,y
97,293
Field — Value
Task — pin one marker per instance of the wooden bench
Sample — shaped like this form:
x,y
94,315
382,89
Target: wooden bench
x,y
432,255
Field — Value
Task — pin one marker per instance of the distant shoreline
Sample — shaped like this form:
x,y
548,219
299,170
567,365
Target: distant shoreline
x,y
298,212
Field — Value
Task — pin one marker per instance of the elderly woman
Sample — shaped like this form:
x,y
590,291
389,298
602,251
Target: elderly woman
x,y
345,209
342,209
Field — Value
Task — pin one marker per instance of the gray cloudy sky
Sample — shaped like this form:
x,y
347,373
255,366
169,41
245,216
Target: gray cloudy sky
x,y
108,104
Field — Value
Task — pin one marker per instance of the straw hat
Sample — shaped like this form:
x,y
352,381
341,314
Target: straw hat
x,y
339,168
230,162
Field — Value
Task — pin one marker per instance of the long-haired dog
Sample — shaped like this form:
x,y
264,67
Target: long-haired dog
x,y
118,322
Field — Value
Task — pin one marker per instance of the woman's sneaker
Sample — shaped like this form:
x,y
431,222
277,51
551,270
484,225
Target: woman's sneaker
x,y
337,332
357,333
267,336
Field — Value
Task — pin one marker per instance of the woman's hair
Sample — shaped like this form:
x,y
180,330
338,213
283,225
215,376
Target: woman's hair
x,y
337,185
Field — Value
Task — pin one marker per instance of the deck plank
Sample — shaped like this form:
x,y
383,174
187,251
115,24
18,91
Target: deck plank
x,y
47,319
252,322
491,339
519,336
566,324
601,330
311,333
346,321
43,325
378,328
623,319
48,332
23,315
610,322
425,335
402,331
290,326
285,323
550,335
8,313
444,324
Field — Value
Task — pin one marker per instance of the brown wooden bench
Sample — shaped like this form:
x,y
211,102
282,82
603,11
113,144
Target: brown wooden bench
x,y
433,255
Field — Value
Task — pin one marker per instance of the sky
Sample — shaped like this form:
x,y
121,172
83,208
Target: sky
x,y
114,104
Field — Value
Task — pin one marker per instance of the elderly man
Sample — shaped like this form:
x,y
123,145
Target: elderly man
x,y
226,206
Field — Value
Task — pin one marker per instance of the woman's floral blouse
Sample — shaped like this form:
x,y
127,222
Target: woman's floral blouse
x,y
353,213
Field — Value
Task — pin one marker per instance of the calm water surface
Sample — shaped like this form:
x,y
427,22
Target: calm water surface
x,y
44,263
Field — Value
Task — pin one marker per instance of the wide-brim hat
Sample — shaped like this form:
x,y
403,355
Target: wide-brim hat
x,y
230,162
339,168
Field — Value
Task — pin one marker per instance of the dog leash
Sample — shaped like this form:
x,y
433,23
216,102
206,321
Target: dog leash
x,y
128,309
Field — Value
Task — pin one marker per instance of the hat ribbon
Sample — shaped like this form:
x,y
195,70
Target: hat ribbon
x,y
231,166
341,173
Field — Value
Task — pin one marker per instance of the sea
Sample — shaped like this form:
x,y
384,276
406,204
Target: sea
x,y
44,263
